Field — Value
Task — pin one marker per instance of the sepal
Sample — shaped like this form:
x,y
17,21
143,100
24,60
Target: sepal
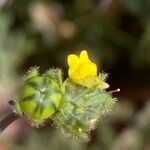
x,y
81,109
94,82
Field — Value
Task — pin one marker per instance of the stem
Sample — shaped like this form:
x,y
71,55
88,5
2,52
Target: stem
x,y
7,120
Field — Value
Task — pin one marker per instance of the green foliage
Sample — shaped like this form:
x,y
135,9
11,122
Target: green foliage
x,y
75,109
81,109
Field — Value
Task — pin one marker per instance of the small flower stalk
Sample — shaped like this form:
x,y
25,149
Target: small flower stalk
x,y
75,105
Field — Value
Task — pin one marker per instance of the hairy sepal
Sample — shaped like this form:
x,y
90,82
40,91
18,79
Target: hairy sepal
x,y
81,109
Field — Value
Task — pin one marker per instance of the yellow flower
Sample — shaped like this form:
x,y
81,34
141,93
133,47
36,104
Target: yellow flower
x,y
81,67
84,72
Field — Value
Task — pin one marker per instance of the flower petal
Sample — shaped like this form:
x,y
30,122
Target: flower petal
x,y
84,56
83,71
88,70
73,60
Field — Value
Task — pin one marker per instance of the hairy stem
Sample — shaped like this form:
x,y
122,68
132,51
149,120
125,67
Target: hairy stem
x,y
7,120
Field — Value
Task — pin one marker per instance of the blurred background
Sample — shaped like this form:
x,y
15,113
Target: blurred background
x,y
116,34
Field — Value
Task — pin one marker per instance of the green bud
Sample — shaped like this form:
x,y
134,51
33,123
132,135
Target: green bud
x,y
41,95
